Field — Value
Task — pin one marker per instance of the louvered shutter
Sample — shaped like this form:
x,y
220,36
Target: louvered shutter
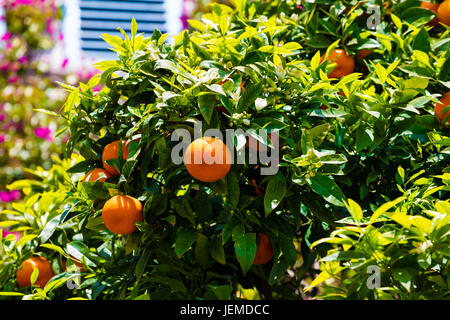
x,y
101,16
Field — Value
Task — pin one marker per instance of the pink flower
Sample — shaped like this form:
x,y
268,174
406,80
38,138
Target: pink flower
x,y
13,125
2,138
64,63
5,196
300,7
4,66
15,195
2,117
43,133
5,232
23,2
13,79
50,27
6,36
61,36
23,59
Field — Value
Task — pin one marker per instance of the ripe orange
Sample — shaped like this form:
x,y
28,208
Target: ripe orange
x,y
208,159
363,53
265,250
439,108
27,267
443,12
111,152
120,213
345,64
97,175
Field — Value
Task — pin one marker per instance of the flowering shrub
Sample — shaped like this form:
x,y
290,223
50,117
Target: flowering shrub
x,y
26,138
34,21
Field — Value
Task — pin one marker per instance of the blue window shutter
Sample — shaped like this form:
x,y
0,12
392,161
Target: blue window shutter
x,y
102,16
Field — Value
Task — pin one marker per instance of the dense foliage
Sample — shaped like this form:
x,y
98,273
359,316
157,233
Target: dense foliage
x,y
363,175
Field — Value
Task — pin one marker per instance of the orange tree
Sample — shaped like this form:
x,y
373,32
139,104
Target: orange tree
x,y
258,65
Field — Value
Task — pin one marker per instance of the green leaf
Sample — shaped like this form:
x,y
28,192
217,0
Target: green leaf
x,y
201,250
278,270
319,133
444,74
34,276
207,105
422,41
354,209
85,166
384,208
217,251
364,138
197,25
25,239
55,248
328,189
397,21
183,208
275,192
11,294
245,247
403,276
49,229
185,239
133,27
233,189
80,251
221,292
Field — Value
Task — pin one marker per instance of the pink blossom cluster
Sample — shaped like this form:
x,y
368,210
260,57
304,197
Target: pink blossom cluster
x,y
44,133
9,196
188,10
15,3
5,232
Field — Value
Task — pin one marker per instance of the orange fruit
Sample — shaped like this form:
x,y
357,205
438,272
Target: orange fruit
x,y
443,12
433,7
120,213
363,53
208,159
27,267
345,64
111,152
265,250
439,108
97,175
